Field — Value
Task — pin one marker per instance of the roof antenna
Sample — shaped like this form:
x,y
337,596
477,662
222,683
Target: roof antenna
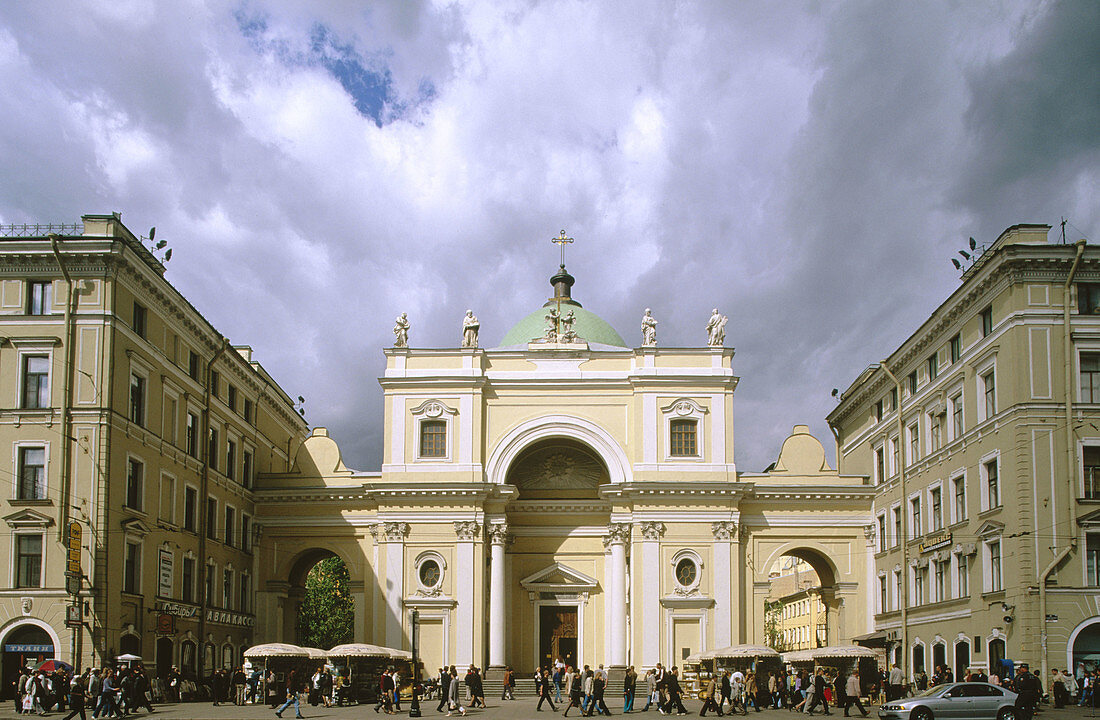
x,y
1063,229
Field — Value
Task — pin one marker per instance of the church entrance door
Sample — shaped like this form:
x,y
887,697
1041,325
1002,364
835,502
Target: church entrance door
x,y
557,635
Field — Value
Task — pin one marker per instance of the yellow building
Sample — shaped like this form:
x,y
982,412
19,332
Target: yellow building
x,y
982,437
129,416
561,495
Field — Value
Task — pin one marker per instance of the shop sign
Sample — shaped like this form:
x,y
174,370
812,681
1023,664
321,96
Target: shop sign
x,y
166,624
164,588
937,540
74,617
178,609
75,536
228,618
28,649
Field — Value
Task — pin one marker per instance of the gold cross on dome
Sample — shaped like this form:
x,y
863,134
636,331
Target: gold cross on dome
x,y
561,240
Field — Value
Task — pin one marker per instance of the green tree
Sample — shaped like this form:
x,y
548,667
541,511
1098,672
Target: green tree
x,y
773,637
327,613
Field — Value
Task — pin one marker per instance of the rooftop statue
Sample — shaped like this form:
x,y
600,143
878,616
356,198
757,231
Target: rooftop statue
x,y
568,334
649,330
716,329
470,326
552,318
401,331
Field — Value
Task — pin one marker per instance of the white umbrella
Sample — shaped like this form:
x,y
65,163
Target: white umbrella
x,y
128,658
741,651
798,656
316,653
269,650
843,651
352,650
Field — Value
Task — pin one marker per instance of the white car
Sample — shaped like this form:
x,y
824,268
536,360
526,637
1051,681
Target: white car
x,y
954,701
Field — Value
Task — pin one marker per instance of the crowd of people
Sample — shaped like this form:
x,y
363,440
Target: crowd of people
x,y
107,692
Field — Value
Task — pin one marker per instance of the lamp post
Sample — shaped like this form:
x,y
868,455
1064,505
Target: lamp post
x,y
414,708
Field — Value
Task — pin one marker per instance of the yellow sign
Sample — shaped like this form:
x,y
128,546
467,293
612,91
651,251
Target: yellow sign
x,y
76,532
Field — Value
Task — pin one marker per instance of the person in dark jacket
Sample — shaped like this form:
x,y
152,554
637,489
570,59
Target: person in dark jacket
x,y
544,692
672,689
78,693
575,694
293,687
444,689
819,694
1028,692
599,685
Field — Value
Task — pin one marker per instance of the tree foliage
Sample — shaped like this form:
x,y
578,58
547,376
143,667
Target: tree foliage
x,y
773,635
327,614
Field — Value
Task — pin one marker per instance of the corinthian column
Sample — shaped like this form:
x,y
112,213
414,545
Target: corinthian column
x,y
618,534
497,536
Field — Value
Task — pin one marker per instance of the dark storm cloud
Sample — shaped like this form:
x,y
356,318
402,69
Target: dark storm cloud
x,y
322,167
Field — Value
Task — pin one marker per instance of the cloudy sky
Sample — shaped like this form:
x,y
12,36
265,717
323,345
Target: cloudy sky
x,y
320,167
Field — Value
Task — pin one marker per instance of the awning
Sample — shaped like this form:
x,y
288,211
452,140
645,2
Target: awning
x,y
874,639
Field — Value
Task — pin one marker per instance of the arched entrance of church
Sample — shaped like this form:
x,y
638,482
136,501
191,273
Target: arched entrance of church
x,y
319,610
802,609
557,522
24,645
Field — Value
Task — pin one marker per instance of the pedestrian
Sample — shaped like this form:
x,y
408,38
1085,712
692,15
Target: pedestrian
x,y
852,691
453,697
650,689
444,690
819,694
559,672
672,687
385,692
630,684
544,692
724,689
1028,692
599,685
708,697
142,691
895,690
575,693
508,684
752,691
78,694
477,688
589,681
293,687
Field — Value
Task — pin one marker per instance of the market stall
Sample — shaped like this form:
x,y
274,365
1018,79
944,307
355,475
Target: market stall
x,y
359,667
841,660
279,658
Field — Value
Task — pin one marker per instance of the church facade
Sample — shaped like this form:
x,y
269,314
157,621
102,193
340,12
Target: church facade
x,y
562,495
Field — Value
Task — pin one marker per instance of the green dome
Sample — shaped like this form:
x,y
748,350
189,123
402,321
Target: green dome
x,y
589,326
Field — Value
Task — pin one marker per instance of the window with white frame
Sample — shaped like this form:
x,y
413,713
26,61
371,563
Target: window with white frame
x,y
32,472
883,595
167,511
920,577
431,568
956,348
39,297
137,398
962,574
190,508
434,423
28,560
170,419
895,457
212,448
994,578
880,465
935,431
131,571
897,589
230,459
1090,377
914,443
135,483
987,394
1092,559
687,569
227,588
683,419
939,580
991,484
957,424
1090,467
958,491
36,382
882,532
916,529
230,525
935,503
191,441
897,525
246,468
246,533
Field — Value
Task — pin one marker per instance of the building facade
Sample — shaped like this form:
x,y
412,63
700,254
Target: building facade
x,y
981,436
136,433
562,495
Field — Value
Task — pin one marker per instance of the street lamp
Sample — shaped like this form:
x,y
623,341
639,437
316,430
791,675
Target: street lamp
x,y
414,709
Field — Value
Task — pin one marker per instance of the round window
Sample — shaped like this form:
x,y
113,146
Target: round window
x,y
686,572
429,573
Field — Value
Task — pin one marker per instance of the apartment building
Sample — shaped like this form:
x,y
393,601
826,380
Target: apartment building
x,y
981,433
135,432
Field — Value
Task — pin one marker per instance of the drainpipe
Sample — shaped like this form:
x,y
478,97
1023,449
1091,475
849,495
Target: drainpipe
x,y
904,539
1071,458
203,493
66,405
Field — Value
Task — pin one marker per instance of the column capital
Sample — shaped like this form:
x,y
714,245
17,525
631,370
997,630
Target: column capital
x,y
389,531
617,534
652,530
869,533
724,530
498,533
467,530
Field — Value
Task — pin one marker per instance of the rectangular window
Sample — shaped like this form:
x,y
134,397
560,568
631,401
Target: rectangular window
x,y
995,583
959,486
881,533
989,380
936,497
1090,377
956,348
913,383
132,568
246,469
878,410
963,571
883,599
1088,298
193,364
683,438
231,459
211,518
212,449
188,589
935,432
137,399
232,397
987,321
246,533
918,585
171,410
230,525
32,473
917,528
39,298
192,439
897,526
227,589
433,438
215,382
897,588
245,598
28,561
957,416
914,444
895,449
36,381
135,481
940,581
168,499
248,410
208,589
140,319
933,366
190,508
992,484
880,465
1091,461
1092,559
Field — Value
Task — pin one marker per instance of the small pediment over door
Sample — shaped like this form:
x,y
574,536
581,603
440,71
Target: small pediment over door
x,y
559,579
28,518
990,528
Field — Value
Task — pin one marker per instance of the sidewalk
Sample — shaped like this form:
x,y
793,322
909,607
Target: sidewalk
x,y
509,710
